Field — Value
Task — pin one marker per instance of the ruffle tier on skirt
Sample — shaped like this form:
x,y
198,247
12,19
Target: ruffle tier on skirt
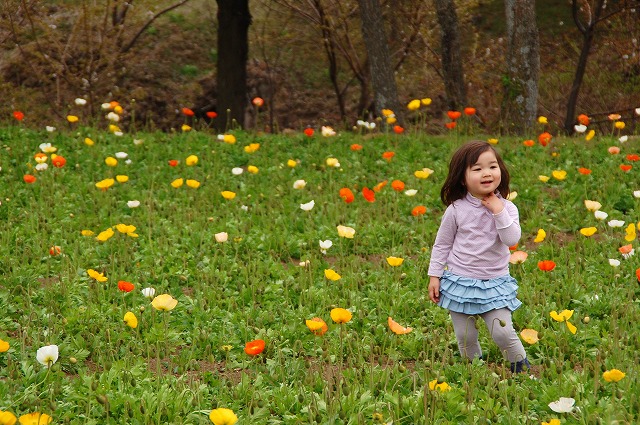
x,y
477,296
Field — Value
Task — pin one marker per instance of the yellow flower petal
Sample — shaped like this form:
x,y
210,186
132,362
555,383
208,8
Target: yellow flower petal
x,y
131,320
177,183
395,261
530,336
332,275
588,231
571,327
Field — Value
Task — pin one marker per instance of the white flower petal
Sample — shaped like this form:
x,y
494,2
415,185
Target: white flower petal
x,y
121,155
47,355
149,293
299,184
236,171
580,128
308,206
411,192
133,204
613,262
221,237
600,215
616,223
563,405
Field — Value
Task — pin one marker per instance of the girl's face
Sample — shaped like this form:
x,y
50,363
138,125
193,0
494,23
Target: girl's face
x,y
483,177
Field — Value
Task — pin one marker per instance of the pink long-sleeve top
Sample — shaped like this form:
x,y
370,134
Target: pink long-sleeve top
x,y
472,242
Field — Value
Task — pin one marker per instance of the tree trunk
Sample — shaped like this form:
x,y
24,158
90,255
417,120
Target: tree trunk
x,y
234,19
452,71
382,78
520,102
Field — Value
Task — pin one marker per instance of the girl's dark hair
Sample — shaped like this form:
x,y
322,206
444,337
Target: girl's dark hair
x,y
454,187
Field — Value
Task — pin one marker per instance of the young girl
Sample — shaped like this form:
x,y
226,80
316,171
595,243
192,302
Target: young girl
x,y
469,267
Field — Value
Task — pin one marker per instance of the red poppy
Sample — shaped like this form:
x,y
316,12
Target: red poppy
x,y
583,119
258,101
469,111
308,131
546,265
513,247
638,274
211,114
347,195
255,347
397,185
125,286
450,125
397,129
58,161
173,162
188,112
584,171
368,194
633,157
28,178
419,210
454,115
625,167
55,250
379,186
18,115
544,138
388,155
356,147
528,143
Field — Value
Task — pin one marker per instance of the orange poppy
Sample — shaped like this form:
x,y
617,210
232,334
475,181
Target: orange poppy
x,y
379,186
545,138
55,250
212,114
470,111
255,347
626,249
584,171
454,115
528,143
388,155
398,129
546,265
318,331
28,178
513,247
18,115
188,112
450,125
308,131
638,274
397,185
633,157
625,167
125,286
583,119
368,194
396,328
419,210
356,147
258,101
58,161
173,162
614,117
347,195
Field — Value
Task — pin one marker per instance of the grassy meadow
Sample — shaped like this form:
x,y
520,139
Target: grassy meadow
x,y
251,268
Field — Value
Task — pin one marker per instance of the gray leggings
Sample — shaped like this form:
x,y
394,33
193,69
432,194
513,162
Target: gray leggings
x,y
505,337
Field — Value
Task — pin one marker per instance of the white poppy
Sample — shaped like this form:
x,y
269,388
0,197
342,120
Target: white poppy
x,y
623,139
236,171
600,215
106,106
637,111
308,206
636,193
47,355
221,237
149,293
563,405
112,116
41,167
304,263
80,101
613,262
138,141
47,148
346,232
580,128
50,129
121,155
411,192
244,208
133,204
324,245
616,223
299,184
118,133
328,131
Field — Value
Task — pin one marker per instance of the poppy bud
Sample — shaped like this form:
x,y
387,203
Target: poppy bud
x,y
503,323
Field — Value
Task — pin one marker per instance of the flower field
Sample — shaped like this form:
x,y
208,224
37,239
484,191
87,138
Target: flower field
x,y
192,278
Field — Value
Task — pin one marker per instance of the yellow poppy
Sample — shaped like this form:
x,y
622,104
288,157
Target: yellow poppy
x,y
4,347
543,179
105,184
493,141
223,416
111,161
177,183
530,336
72,118
613,375
588,231
105,235
35,418
619,125
341,315
131,320
127,229
122,178
590,135
228,194
229,138
346,232
332,275
7,418
426,101
395,261
87,232
191,160
164,302
562,316
543,120
252,169
424,173
194,184
413,105
185,127
592,206
88,141
540,236
442,387
97,275
251,148
552,422
559,174
291,163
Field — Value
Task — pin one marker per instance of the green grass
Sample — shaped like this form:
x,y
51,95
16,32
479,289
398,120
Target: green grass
x,y
173,369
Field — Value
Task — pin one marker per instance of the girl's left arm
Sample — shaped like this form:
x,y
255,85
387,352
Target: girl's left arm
x,y
508,224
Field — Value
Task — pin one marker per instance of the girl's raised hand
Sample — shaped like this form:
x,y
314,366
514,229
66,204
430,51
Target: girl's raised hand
x,y
493,203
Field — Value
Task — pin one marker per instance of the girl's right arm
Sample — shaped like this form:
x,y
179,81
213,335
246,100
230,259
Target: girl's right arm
x,y
434,289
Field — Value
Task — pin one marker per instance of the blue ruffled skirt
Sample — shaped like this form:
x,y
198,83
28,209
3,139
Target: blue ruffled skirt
x,y
476,296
